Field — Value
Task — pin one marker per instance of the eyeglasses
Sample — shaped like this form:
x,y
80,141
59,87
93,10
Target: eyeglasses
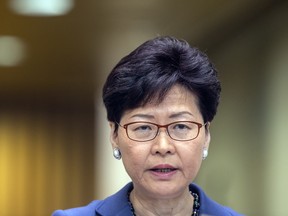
x,y
147,131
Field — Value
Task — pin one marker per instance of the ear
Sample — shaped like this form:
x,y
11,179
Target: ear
x,y
207,136
113,135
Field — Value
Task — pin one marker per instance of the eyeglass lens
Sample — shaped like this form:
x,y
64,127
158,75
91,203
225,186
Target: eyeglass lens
x,y
144,131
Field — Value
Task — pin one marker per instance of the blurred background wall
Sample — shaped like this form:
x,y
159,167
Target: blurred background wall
x,y
54,58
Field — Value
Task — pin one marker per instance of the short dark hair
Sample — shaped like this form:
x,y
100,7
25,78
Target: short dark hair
x,y
149,71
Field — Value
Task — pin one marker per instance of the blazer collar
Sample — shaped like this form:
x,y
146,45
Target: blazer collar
x,y
117,204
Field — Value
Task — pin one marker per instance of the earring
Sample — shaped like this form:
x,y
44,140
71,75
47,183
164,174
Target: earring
x,y
205,154
117,153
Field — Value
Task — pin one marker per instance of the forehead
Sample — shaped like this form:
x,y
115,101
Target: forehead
x,y
177,93
177,99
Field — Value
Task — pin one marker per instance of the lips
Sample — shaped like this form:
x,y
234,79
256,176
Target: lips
x,y
163,168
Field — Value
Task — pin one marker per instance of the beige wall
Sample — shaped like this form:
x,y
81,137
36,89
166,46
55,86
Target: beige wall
x,y
276,159
246,168
46,158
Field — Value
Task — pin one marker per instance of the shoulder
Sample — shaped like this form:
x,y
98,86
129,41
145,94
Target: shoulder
x,y
209,207
117,204
88,210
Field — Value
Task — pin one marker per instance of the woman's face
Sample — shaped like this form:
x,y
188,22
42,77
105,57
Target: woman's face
x,y
163,167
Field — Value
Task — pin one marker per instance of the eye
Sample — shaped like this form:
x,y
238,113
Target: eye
x,y
140,127
181,126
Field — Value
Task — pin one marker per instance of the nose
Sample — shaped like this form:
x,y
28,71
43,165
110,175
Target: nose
x,y
163,144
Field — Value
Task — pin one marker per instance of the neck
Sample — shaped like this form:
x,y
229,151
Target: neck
x,y
147,206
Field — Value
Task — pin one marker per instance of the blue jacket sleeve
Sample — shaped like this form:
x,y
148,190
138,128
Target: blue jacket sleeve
x,y
88,210
59,213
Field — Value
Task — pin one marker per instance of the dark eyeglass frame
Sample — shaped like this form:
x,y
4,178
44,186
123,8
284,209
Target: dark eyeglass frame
x,y
125,126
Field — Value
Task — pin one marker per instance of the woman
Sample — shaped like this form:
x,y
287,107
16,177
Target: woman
x,y
160,101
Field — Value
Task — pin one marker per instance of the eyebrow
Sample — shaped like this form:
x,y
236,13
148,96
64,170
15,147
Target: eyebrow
x,y
179,114
143,116
173,115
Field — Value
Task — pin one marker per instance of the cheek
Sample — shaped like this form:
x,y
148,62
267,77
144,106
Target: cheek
x,y
134,156
191,158
194,149
134,163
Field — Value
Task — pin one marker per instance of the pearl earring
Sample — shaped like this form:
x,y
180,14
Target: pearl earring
x,y
117,153
205,154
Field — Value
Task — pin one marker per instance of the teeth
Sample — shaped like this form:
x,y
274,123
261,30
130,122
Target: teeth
x,y
164,170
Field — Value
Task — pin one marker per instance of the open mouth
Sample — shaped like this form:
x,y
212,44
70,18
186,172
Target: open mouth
x,y
164,170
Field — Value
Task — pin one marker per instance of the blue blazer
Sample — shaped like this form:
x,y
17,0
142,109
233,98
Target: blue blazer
x,y
117,205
